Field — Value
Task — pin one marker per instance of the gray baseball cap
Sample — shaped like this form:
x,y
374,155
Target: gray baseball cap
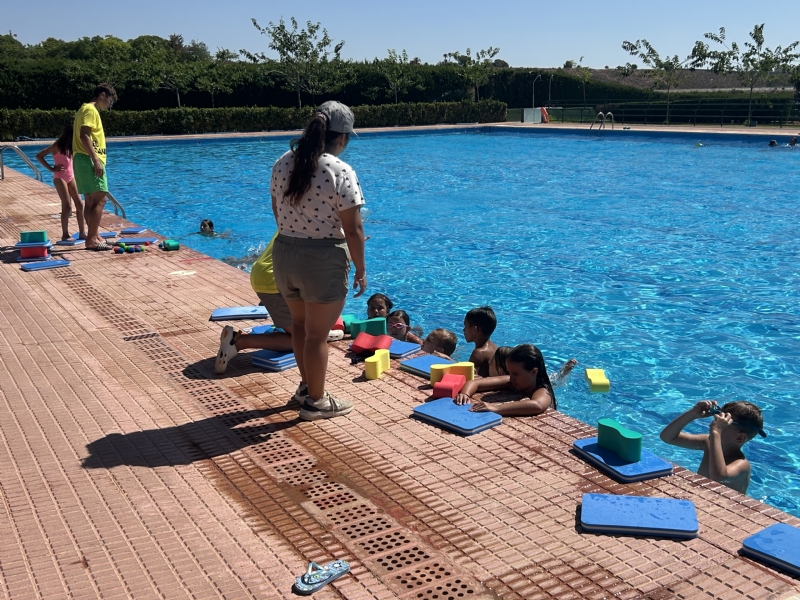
x,y
340,117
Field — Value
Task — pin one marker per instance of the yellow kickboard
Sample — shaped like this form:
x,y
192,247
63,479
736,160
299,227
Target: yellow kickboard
x,y
467,369
376,364
598,383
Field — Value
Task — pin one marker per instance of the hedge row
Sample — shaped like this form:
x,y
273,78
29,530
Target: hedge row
x,y
170,121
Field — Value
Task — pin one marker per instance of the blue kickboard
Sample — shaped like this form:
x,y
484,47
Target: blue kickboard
x,y
263,329
458,418
133,230
273,356
778,545
135,241
47,244
73,241
650,467
108,234
272,369
30,260
421,365
239,312
400,349
47,264
638,515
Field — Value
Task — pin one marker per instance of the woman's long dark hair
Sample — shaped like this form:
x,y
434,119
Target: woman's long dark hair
x,y
307,150
530,357
64,142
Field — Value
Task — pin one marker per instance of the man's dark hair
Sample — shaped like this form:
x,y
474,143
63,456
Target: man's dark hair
x,y
483,318
105,88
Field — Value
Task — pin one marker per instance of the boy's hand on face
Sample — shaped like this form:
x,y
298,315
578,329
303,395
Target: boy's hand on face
x,y
720,422
702,408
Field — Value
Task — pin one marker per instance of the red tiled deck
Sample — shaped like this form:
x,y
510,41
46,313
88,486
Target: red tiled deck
x,y
128,470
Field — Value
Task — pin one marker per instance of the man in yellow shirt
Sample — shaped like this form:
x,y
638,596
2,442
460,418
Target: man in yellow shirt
x,y
89,161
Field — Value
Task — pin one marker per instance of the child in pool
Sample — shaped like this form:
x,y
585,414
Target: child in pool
x,y
497,367
399,326
379,305
735,424
527,375
440,341
207,227
479,325
64,181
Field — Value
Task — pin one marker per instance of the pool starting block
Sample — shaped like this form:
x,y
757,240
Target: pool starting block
x,y
376,364
598,383
454,417
639,515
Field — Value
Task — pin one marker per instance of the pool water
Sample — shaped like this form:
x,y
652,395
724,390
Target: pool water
x,y
672,266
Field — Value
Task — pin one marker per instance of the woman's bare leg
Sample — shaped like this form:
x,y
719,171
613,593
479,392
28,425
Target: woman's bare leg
x,y
62,187
76,200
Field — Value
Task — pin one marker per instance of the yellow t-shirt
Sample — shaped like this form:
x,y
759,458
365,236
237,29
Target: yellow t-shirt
x,y
262,278
89,116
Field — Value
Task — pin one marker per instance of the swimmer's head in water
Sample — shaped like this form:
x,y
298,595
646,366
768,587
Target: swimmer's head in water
x,y
773,143
206,225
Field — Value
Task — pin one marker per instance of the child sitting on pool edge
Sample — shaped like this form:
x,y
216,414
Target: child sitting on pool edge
x,y
479,325
398,325
735,424
440,341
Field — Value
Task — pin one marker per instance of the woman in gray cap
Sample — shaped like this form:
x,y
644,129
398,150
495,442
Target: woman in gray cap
x,y
317,203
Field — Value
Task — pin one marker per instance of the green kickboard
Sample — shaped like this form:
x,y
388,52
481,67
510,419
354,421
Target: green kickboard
x,y
33,237
613,436
376,326
347,319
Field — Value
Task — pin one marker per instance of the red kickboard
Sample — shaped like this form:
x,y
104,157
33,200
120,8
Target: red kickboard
x,y
449,386
339,326
365,342
34,252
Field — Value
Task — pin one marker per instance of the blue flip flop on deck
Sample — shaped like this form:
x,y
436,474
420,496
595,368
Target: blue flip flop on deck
x,y
273,361
456,417
650,467
74,240
239,312
133,230
638,515
421,365
318,576
777,545
44,265
400,349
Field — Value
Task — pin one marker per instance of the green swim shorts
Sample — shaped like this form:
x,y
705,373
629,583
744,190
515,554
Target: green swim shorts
x,y
85,178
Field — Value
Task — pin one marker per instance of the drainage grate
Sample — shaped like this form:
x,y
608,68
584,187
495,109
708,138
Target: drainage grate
x,y
365,528
384,543
402,559
448,590
143,336
294,467
422,576
354,513
329,502
272,455
307,478
325,489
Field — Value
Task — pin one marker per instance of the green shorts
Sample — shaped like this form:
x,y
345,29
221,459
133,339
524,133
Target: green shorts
x,y
85,178
311,270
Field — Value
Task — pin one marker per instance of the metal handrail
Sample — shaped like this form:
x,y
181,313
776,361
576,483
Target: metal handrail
x,y
23,156
600,117
116,204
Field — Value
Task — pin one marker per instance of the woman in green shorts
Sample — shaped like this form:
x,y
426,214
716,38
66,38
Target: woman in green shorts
x,y
316,199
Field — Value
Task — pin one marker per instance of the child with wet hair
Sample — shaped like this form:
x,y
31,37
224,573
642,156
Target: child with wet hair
x,y
399,327
735,424
526,375
440,341
207,226
379,305
479,325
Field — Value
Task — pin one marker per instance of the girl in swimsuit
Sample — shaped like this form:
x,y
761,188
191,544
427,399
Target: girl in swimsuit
x,y
64,181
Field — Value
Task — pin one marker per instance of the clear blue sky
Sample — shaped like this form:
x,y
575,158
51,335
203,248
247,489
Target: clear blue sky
x,y
528,32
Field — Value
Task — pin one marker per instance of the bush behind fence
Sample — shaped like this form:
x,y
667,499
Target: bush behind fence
x,y
173,121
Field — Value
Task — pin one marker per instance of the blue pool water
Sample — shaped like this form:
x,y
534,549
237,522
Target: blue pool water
x,y
671,266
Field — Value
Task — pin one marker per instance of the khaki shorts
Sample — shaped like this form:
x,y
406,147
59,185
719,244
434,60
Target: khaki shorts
x,y
311,270
278,310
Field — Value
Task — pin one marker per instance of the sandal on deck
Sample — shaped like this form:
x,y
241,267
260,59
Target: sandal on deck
x,y
318,576
100,247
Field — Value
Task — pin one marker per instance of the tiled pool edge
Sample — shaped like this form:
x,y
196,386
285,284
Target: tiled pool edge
x,y
496,516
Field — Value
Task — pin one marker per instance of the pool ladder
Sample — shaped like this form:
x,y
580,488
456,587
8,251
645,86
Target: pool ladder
x,y
602,118
119,210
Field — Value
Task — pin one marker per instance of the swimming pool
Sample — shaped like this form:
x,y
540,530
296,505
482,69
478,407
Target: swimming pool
x,y
671,266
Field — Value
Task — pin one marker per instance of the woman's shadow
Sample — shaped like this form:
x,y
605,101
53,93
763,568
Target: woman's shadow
x,y
184,444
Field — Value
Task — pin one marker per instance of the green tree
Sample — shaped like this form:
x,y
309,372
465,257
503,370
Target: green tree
x,y
584,75
399,73
476,70
306,61
754,65
218,77
665,72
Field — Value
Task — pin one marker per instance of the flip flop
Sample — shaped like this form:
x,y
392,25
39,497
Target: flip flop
x,y
100,247
318,576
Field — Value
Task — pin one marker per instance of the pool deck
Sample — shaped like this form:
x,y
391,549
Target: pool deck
x,y
129,470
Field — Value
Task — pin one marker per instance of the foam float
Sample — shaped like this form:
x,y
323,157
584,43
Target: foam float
x,y
376,364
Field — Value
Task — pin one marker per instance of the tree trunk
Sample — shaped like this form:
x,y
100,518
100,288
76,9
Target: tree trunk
x,y
668,89
178,96
212,100
395,95
750,107
299,103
